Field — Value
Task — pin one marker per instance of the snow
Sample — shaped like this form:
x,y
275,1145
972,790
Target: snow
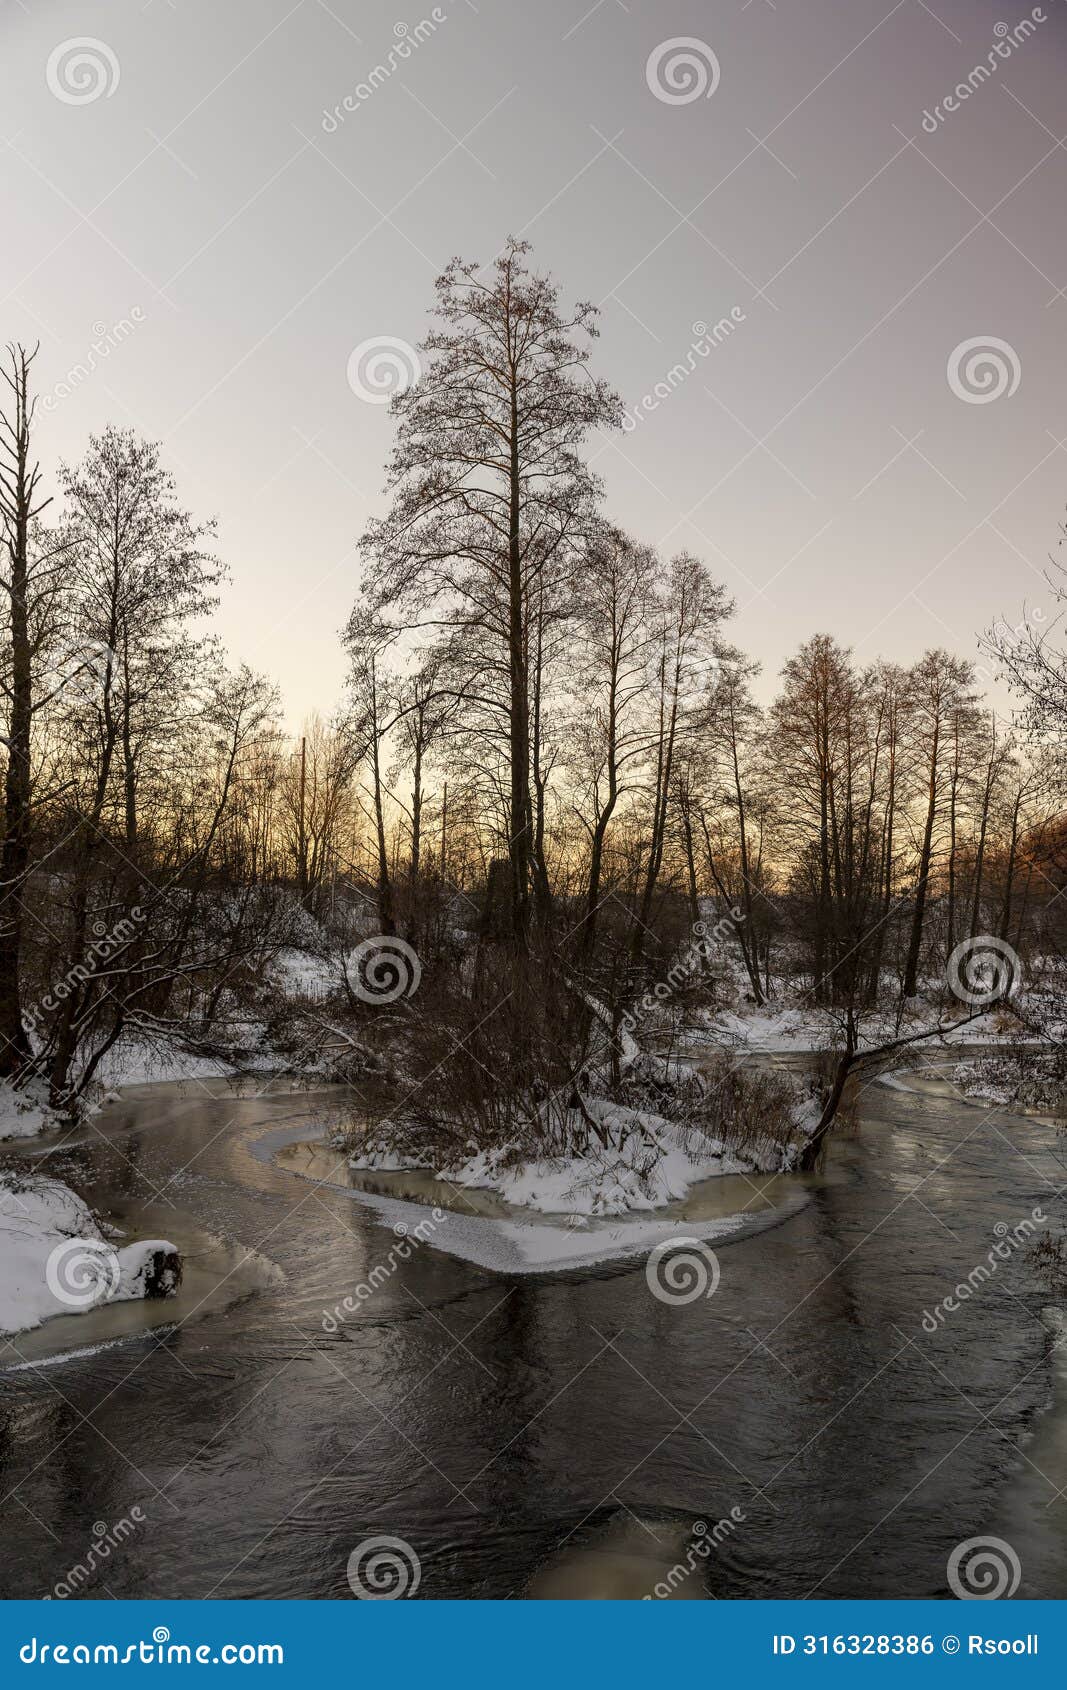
x,y
537,1241
771,1031
507,1246
542,1243
987,1033
805,1031
306,974
808,1031
54,1260
893,1082
313,974
982,1081
650,1162
135,1260
134,1062
1033,1081
599,1206
25,1113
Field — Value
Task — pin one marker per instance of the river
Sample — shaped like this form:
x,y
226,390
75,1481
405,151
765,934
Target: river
x,y
542,1434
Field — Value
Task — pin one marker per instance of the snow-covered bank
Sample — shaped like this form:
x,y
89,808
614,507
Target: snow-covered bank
x,y
534,1242
307,974
632,1161
24,1114
542,1246
1021,1079
54,1259
609,1196
809,1031
135,1063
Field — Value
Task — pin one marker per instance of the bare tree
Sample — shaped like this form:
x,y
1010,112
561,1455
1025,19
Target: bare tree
x,y
21,504
941,686
613,633
488,487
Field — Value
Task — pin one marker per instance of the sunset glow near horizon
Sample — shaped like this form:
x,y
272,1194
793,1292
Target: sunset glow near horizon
x,y
831,291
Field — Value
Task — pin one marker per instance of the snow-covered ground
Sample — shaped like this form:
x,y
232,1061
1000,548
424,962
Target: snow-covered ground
x,y
135,1063
54,1259
305,973
984,1081
132,1062
1033,1080
23,1114
537,1241
805,1031
648,1163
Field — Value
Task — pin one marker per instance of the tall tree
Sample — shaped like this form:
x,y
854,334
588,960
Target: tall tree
x,y
21,504
734,725
689,611
138,576
489,489
940,687
141,576
612,635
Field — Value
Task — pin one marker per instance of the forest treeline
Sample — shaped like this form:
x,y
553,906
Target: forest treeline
x,y
550,775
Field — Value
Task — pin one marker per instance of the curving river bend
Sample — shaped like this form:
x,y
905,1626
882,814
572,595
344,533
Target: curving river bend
x,y
566,1430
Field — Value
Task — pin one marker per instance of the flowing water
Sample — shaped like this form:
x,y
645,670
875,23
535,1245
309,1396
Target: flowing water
x,y
558,1434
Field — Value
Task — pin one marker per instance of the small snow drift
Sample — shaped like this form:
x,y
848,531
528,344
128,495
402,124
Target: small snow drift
x,y
54,1260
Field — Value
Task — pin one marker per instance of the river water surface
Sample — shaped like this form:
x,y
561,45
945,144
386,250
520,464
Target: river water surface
x,y
542,1434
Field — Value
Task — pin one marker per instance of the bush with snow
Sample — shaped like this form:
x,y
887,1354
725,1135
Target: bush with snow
x,y
25,1112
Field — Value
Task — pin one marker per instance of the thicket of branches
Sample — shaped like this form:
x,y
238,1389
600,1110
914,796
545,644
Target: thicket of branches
x,y
551,776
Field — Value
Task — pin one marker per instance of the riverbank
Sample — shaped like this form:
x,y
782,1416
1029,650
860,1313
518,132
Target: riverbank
x,y
477,1225
55,1259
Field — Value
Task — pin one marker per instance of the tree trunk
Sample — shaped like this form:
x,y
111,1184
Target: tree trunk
x,y
16,502
519,840
812,1151
911,969
416,844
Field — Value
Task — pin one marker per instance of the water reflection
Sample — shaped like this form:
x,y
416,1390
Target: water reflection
x,y
522,1433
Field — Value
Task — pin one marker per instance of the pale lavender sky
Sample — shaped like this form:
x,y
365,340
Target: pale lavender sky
x,y
819,458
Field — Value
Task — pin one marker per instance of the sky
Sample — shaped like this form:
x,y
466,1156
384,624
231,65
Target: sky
x,y
224,223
